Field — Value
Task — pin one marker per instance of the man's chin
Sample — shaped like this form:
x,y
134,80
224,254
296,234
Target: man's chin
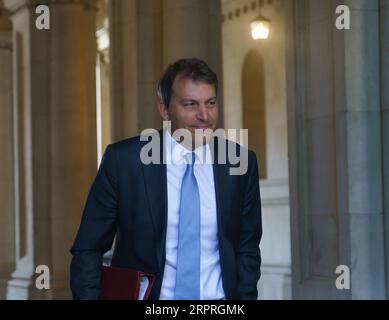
x,y
200,137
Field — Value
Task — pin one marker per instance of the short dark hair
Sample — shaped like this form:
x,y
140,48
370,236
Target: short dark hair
x,y
194,69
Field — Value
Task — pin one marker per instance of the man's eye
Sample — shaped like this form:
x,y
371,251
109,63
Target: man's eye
x,y
188,104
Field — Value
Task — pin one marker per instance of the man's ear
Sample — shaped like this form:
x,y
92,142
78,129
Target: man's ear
x,y
163,111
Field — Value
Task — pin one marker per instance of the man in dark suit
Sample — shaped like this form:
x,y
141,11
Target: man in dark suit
x,y
190,222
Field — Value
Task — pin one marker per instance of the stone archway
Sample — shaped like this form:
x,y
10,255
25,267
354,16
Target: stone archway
x,y
255,98
254,106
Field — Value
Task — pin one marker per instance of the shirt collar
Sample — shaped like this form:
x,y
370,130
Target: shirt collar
x,y
175,152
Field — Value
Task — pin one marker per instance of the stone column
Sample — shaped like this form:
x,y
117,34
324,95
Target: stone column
x,y
192,28
215,50
362,119
149,14
335,150
317,226
55,138
7,229
73,144
122,29
384,32
185,29
135,37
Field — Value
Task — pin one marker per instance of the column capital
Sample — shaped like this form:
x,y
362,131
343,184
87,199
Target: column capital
x,y
5,40
5,22
14,5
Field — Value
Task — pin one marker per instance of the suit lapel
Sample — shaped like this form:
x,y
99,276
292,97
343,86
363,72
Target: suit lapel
x,y
156,190
220,171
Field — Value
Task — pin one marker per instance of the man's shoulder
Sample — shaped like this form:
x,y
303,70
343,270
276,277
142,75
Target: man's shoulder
x,y
133,143
124,150
126,144
129,150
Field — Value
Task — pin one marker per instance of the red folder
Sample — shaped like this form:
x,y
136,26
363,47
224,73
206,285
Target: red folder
x,y
123,284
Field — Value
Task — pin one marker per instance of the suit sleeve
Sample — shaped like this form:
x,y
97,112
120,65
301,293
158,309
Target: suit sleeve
x,y
249,256
96,232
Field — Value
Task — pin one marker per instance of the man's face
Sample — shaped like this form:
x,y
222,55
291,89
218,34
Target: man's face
x,y
193,107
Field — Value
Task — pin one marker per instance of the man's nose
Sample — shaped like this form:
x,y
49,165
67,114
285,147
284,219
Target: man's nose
x,y
203,113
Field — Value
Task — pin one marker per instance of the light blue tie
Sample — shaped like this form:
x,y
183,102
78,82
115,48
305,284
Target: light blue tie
x,y
188,252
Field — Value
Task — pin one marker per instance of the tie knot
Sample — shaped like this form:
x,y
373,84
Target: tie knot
x,y
190,158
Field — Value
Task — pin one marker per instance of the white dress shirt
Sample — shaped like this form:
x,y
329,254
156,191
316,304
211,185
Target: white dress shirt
x,y
211,286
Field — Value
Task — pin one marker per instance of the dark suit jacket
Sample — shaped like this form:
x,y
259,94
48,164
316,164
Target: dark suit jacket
x,y
129,199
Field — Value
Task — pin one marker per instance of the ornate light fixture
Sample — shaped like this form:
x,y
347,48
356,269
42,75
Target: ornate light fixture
x,y
260,27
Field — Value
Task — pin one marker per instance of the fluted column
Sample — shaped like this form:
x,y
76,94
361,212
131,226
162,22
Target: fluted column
x,y
55,138
135,32
149,34
73,144
123,51
7,237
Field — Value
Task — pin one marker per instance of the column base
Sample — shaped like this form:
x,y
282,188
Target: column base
x,y
22,285
25,289
4,278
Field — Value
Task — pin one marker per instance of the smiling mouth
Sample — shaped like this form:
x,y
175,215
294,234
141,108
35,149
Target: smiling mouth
x,y
201,127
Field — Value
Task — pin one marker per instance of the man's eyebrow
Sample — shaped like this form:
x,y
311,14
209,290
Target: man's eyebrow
x,y
194,100
188,99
